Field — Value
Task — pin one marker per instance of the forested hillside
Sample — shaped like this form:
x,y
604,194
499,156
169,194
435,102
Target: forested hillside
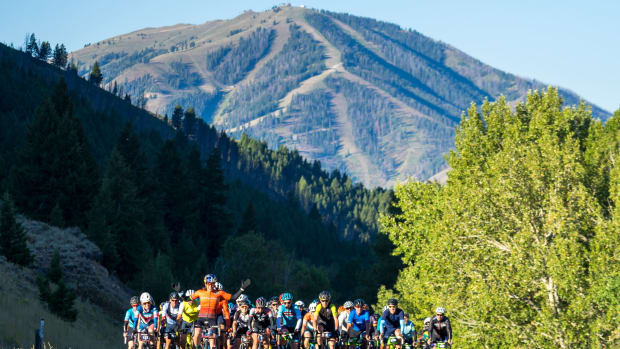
x,y
371,99
170,199
521,245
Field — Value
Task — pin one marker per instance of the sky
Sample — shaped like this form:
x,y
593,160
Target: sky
x,y
573,44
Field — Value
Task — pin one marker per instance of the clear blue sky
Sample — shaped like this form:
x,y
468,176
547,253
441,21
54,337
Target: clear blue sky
x,y
574,44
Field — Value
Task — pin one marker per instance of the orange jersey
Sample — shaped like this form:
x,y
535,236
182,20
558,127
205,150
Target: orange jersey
x,y
210,302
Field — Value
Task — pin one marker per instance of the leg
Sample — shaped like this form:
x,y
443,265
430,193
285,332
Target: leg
x,y
197,330
254,340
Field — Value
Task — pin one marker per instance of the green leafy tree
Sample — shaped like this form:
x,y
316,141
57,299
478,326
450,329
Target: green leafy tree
x,y
95,76
507,245
12,236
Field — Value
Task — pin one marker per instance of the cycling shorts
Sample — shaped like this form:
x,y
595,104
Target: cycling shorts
x,y
220,320
205,323
130,332
241,331
323,327
186,327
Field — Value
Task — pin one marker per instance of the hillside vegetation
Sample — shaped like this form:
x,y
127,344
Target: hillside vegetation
x,y
388,99
521,245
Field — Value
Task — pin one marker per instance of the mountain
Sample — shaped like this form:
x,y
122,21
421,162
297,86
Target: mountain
x,y
369,98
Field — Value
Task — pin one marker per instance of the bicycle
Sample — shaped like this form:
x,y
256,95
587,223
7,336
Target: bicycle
x,y
246,342
286,338
393,342
325,338
356,342
440,345
212,332
146,339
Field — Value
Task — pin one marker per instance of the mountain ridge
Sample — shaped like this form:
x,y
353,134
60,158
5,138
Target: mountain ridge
x,y
402,124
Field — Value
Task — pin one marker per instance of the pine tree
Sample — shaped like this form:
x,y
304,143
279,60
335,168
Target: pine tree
x,y
59,57
95,76
215,213
55,166
32,48
177,117
45,51
189,122
171,177
12,236
54,273
248,222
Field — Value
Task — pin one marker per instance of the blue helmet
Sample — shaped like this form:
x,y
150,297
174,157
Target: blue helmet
x,y
287,297
209,278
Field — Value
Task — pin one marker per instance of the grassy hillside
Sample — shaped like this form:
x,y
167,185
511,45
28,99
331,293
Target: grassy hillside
x,y
388,99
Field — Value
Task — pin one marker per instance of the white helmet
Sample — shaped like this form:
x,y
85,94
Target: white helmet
x,y
189,293
218,286
242,299
145,297
312,307
348,305
427,321
385,308
300,304
440,310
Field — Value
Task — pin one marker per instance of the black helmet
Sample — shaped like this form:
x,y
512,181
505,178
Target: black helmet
x,y
358,302
174,296
325,296
393,301
261,302
134,300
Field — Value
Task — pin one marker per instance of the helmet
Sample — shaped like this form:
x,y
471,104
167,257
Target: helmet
x,y
189,293
300,304
210,278
231,306
440,310
286,297
348,304
134,300
312,307
261,302
406,315
145,297
218,286
427,321
392,301
325,296
174,296
358,302
274,299
385,308
242,299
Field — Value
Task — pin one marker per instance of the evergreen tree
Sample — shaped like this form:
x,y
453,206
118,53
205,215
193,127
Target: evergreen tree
x,y
248,222
189,121
59,57
12,236
171,177
95,77
32,48
177,117
72,67
45,51
55,166
115,89
54,273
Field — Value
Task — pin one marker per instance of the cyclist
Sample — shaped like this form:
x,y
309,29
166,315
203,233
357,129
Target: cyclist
x,y
440,328
342,319
302,307
261,320
188,313
170,314
306,326
210,299
131,319
288,319
147,318
425,338
326,319
223,313
408,330
241,320
274,303
393,320
359,321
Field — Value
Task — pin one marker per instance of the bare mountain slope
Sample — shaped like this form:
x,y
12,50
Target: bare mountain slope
x,y
363,96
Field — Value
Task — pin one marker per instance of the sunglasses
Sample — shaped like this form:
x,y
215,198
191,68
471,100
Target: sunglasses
x,y
324,301
391,306
287,302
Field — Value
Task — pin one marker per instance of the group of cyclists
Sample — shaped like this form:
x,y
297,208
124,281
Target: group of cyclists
x,y
212,318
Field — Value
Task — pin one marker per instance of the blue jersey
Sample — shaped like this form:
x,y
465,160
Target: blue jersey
x,y
289,317
359,322
147,318
131,316
409,330
391,322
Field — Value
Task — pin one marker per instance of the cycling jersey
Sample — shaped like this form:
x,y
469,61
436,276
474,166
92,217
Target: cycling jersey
x,y
289,317
131,316
243,321
326,315
260,321
308,320
170,314
408,330
147,318
359,322
440,329
189,311
391,322
210,302
342,321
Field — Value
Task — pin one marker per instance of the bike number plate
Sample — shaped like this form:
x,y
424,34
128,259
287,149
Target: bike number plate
x,y
145,337
441,345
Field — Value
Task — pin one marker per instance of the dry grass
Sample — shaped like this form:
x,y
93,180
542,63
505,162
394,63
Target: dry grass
x,y
21,312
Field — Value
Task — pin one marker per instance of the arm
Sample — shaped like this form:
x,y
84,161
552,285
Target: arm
x,y
279,318
335,316
449,328
180,315
298,315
